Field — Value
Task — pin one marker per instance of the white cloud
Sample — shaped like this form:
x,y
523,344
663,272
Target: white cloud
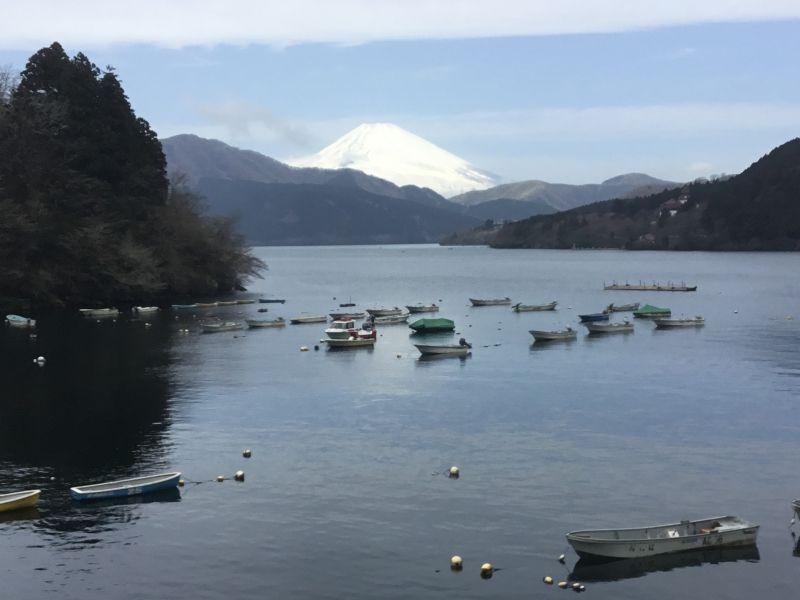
x,y
243,120
179,23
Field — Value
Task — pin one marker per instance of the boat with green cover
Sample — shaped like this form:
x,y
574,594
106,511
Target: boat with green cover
x,y
648,311
432,325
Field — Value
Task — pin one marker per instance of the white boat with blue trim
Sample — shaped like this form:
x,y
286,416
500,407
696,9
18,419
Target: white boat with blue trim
x,y
126,487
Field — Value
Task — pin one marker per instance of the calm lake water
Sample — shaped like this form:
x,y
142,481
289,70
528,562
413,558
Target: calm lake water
x,y
345,494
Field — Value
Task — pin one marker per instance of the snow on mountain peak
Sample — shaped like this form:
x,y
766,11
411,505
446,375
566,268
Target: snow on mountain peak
x,y
392,153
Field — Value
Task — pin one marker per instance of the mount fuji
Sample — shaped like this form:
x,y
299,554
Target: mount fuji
x,y
390,152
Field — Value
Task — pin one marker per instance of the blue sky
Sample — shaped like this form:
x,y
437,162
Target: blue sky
x,y
509,86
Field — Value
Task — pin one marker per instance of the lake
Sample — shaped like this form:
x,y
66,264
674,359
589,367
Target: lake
x,y
346,494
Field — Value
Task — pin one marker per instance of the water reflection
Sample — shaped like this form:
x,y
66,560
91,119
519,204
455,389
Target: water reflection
x,y
23,514
629,568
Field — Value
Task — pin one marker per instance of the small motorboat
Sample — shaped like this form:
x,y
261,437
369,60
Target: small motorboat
x,y
389,320
663,539
385,312
460,349
422,308
551,336
302,319
336,316
623,307
490,301
126,487
220,326
341,329
145,310
675,323
587,318
186,306
100,313
17,500
518,307
272,300
261,323
19,322
361,338
598,327
432,325
648,311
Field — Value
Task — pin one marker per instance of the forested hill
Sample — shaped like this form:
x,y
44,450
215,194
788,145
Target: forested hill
x,y
87,214
758,209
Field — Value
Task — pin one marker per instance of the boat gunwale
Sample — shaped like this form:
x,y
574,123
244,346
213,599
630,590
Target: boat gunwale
x,y
121,484
23,495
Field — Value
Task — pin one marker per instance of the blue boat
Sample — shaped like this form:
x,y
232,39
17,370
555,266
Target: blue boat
x,y
20,322
601,316
126,487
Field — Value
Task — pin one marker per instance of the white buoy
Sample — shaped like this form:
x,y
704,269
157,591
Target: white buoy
x,y
562,558
40,361
247,453
576,586
181,483
456,563
220,478
562,584
454,472
582,588
548,580
303,348
736,312
239,476
486,570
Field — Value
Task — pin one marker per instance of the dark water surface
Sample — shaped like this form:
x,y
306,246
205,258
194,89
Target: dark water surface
x,y
345,495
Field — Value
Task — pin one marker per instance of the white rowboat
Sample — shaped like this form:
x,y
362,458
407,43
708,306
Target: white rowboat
x,y
675,323
534,307
550,336
490,301
126,487
599,327
449,350
663,539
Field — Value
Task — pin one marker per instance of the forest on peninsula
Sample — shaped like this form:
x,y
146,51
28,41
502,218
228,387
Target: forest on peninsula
x,y
88,216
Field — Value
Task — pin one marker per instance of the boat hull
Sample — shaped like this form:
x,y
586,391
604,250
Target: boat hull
x,y
271,300
533,307
609,328
210,328
662,539
255,324
662,323
490,302
312,319
553,336
126,487
593,317
428,350
385,312
20,322
423,309
19,500
656,287
350,343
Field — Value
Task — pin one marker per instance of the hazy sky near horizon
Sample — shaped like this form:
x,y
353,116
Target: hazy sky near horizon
x,y
572,91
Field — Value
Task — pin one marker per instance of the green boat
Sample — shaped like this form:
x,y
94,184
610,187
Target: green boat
x,y
432,325
648,311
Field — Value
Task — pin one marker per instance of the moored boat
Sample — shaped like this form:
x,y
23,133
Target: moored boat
x,y
460,349
260,323
623,307
20,322
595,327
346,315
675,323
220,326
186,306
227,302
650,287
341,329
550,336
100,313
206,305
145,310
360,338
601,316
519,307
272,300
385,312
17,500
422,308
490,301
648,311
432,325
246,301
663,539
126,487
302,319
389,320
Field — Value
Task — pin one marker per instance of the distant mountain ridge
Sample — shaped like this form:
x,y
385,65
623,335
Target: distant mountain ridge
x,y
555,197
390,152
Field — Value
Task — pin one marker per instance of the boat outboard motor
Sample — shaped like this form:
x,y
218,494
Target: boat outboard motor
x,y
463,342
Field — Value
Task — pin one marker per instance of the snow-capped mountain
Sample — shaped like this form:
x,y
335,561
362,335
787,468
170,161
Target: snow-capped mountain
x,y
392,153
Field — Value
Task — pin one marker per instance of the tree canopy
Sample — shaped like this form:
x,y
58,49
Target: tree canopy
x,y
87,214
